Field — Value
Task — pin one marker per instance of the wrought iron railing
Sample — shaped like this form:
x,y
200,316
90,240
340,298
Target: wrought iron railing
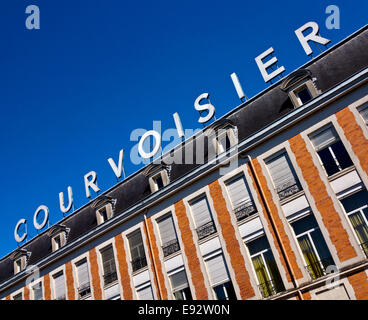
x,y
170,247
288,189
110,278
206,230
244,210
63,297
318,269
364,246
269,288
139,263
84,290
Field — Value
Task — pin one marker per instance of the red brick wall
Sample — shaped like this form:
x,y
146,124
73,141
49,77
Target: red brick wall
x,y
47,287
95,281
69,281
156,259
331,219
123,268
190,252
231,242
354,133
279,225
359,282
26,293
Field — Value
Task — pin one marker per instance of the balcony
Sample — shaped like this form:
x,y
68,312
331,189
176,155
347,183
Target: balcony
x,y
206,230
270,288
110,278
170,247
139,263
318,269
84,290
244,210
288,189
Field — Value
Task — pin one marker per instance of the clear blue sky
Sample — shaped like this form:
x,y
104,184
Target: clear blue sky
x,y
72,92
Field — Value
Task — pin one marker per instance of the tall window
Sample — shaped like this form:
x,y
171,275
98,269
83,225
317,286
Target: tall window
x,y
180,286
59,286
331,150
364,113
109,267
303,95
37,291
241,200
356,207
84,287
313,246
283,175
220,278
137,251
145,293
202,217
264,264
169,239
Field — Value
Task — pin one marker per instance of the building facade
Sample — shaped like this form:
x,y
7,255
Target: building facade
x,y
273,206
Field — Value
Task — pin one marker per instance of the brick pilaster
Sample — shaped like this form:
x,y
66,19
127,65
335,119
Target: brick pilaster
x,y
69,281
231,242
26,293
47,287
123,268
95,275
359,282
190,252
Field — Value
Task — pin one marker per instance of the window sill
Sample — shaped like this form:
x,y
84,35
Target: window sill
x,y
107,286
172,255
292,197
341,173
134,273
209,237
251,217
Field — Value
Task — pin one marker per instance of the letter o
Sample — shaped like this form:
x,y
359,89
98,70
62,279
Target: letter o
x,y
37,225
157,137
16,235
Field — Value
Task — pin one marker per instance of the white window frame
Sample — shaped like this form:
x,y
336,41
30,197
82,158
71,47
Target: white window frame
x,y
36,283
109,213
53,291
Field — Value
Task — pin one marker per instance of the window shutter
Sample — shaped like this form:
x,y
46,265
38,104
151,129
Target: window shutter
x,y
37,292
281,173
201,211
179,281
108,261
136,246
324,138
145,293
167,229
59,284
83,276
238,191
217,270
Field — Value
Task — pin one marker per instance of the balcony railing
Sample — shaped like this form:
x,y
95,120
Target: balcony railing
x,y
139,263
364,246
318,268
84,290
206,230
63,297
110,278
288,189
269,288
170,247
244,210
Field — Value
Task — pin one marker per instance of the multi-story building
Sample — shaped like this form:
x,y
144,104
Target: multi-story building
x,y
288,221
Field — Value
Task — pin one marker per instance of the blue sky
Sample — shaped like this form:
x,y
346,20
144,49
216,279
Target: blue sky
x,y
72,92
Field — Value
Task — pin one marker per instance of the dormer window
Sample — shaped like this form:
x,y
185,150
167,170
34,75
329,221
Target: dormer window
x,y
158,176
104,206
300,87
20,260
58,234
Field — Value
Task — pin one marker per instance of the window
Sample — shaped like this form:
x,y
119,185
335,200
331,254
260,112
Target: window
x,y
103,214
364,113
180,286
158,176
158,182
18,296
219,278
331,150
313,246
264,264
303,95
58,240
145,293
202,217
137,252
18,266
241,200
356,207
169,239
37,291
84,288
108,263
59,286
283,176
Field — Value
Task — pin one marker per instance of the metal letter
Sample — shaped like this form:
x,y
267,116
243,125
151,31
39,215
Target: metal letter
x,y
157,137
178,125
238,87
70,200
208,106
91,183
16,235
117,169
263,66
37,225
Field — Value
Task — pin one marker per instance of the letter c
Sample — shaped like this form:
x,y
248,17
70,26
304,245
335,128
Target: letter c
x,y
16,235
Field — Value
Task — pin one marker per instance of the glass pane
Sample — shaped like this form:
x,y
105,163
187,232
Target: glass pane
x,y
304,95
341,155
322,249
304,224
359,226
258,245
328,161
356,201
310,257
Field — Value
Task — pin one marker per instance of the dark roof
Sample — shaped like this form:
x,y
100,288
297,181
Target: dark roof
x,y
329,68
